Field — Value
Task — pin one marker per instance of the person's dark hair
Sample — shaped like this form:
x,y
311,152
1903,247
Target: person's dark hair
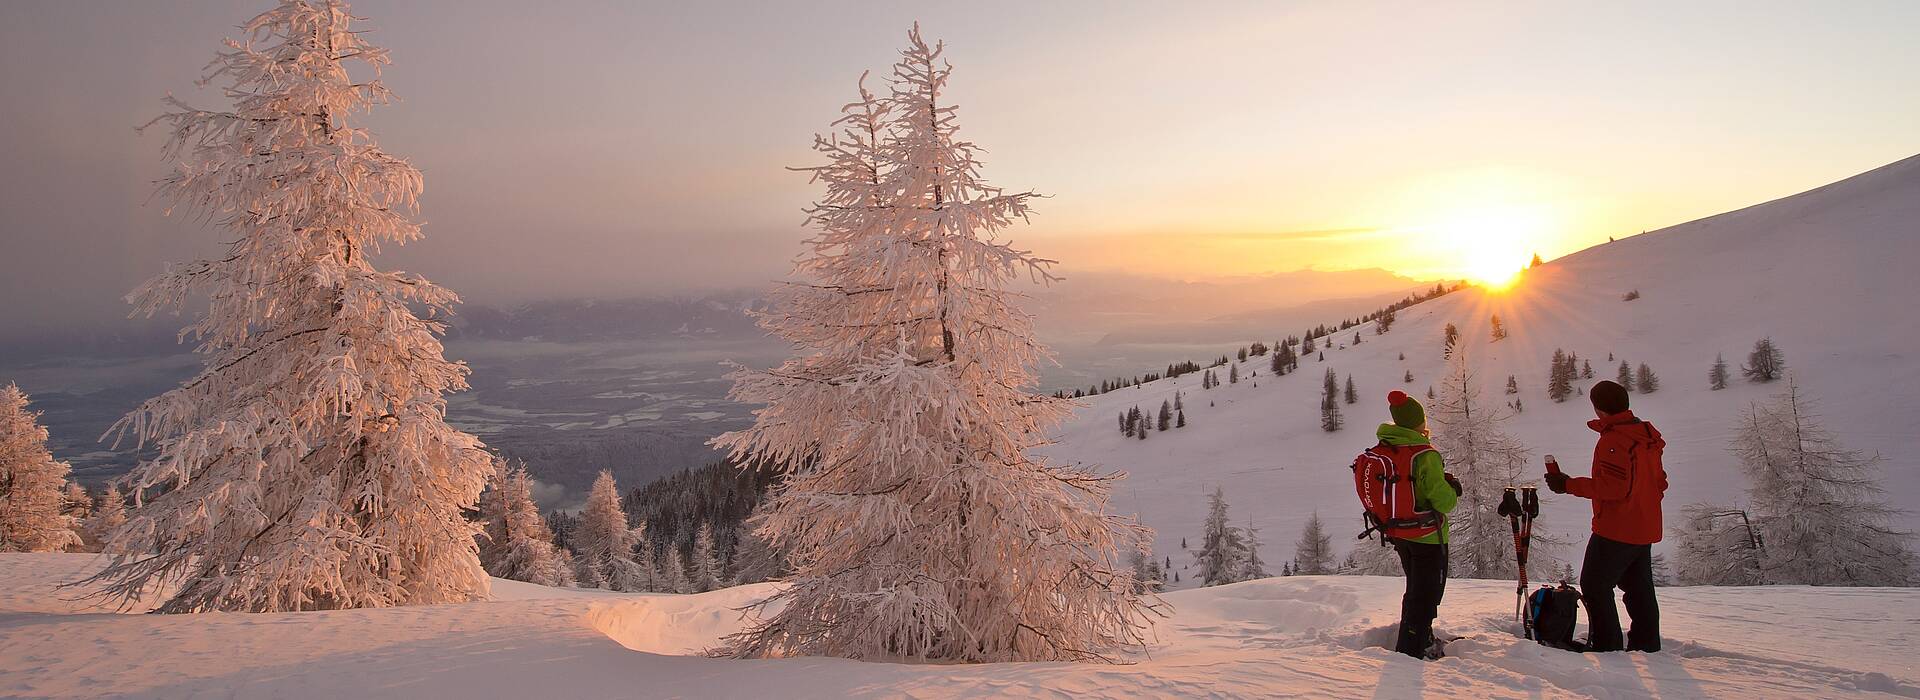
x,y
1609,397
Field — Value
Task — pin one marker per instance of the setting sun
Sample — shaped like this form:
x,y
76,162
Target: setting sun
x,y
1491,244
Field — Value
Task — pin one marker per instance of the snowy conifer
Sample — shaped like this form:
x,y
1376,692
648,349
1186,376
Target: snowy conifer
x,y
1253,567
1559,379
1586,369
109,513
309,465
1468,434
515,542
1646,380
1625,376
1233,374
674,576
1407,378
605,541
704,573
1313,552
1820,506
1223,549
1449,337
33,516
1499,330
917,521
1165,419
1717,376
1351,395
1765,363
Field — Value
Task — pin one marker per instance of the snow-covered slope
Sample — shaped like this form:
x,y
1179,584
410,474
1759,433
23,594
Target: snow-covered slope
x,y
1308,637
1829,274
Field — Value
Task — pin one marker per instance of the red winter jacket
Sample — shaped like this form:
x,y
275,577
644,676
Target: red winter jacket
x,y
1628,480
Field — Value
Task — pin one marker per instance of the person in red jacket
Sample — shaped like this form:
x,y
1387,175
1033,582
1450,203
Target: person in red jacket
x,y
1627,484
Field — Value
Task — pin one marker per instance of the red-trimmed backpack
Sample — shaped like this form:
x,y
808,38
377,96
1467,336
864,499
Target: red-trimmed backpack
x,y
1383,476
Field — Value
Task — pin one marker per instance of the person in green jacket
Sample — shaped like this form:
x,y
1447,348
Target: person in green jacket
x,y
1423,558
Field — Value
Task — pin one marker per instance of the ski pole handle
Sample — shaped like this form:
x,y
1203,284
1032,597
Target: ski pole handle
x,y
1553,467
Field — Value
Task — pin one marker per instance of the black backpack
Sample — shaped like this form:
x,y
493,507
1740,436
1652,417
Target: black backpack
x,y
1553,612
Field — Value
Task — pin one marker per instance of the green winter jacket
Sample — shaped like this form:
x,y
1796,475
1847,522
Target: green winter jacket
x,y
1430,489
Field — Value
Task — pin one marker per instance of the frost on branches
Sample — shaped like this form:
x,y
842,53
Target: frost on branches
x,y
33,516
309,465
1467,433
918,523
516,543
605,542
1822,513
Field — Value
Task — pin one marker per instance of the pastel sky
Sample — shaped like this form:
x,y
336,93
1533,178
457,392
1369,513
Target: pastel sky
x,y
615,148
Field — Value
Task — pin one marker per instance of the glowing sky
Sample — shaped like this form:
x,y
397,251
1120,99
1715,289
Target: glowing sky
x,y
618,148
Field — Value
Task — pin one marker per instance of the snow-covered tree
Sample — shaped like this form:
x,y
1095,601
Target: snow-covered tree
x,y
109,513
1367,559
1625,376
1717,376
1253,567
515,542
1820,506
1313,552
917,520
33,516
1499,330
1351,395
1233,374
1586,369
1469,436
1223,547
753,561
1559,377
1449,337
1765,363
1148,575
705,574
1646,380
309,465
604,541
674,577
1717,546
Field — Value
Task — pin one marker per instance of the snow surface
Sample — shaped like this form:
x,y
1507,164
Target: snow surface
x,y
1828,274
1307,636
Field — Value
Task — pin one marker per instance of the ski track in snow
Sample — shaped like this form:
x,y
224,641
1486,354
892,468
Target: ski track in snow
x,y
1310,637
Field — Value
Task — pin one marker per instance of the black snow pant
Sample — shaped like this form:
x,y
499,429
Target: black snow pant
x,y
1426,569
1629,567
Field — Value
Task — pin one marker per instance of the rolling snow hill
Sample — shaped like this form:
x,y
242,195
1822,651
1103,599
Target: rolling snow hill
x,y
1828,274
1306,637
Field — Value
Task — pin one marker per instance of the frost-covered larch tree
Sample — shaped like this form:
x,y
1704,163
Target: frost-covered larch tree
x,y
309,465
705,574
33,515
605,541
516,543
1717,546
1313,552
109,513
1468,434
917,521
1821,508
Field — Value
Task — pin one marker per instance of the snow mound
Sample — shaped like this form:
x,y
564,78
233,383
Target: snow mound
x,y
1306,636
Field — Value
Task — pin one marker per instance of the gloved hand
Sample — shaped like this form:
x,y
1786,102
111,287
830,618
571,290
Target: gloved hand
x,y
1454,482
1556,482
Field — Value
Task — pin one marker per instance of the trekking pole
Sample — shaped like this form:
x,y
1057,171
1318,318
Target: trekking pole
x,y
1522,548
1511,509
